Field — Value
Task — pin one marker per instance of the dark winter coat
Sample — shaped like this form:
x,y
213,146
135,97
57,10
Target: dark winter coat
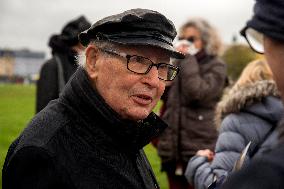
x,y
263,173
78,141
190,110
54,74
249,112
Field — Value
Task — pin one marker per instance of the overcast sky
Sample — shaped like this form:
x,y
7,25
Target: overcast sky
x,y
29,23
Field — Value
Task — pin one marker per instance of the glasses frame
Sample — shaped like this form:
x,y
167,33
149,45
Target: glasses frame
x,y
128,57
244,34
190,39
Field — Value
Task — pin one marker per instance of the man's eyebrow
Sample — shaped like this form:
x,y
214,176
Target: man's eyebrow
x,y
168,59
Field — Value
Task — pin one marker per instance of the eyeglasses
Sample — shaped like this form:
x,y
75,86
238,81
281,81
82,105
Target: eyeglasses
x,y
190,39
142,65
254,39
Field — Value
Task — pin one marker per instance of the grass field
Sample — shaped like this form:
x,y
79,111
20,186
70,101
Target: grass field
x,y
17,107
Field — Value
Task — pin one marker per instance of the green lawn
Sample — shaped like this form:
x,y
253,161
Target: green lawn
x,y
17,106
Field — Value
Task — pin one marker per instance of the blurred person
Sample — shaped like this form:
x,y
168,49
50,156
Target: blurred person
x,y
55,73
265,34
191,100
249,112
93,135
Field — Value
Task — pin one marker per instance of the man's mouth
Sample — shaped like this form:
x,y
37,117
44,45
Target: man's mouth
x,y
142,99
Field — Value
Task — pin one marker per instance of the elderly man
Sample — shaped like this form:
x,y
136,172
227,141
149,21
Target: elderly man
x,y
265,34
93,135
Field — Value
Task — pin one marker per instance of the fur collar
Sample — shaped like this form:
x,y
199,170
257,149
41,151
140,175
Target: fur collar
x,y
243,96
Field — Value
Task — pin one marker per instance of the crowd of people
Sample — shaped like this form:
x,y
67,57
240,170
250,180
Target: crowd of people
x,y
96,95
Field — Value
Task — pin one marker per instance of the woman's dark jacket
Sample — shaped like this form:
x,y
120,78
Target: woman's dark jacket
x,y
190,109
248,113
54,74
78,141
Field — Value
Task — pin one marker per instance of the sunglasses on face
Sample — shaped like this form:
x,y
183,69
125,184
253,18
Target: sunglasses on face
x,y
191,39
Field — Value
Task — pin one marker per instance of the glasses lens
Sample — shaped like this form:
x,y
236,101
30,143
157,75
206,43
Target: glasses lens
x,y
255,40
167,72
138,64
191,39
172,73
163,71
141,65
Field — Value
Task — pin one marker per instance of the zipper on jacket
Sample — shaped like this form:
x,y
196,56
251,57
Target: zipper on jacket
x,y
141,155
154,180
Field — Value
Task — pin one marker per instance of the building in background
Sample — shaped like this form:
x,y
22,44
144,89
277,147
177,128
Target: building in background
x,y
20,65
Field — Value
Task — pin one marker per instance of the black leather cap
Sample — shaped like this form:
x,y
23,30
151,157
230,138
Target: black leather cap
x,y
134,27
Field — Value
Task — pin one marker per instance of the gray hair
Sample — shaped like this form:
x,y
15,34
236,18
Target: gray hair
x,y
81,58
209,36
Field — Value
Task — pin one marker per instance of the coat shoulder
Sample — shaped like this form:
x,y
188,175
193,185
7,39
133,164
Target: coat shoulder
x,y
43,127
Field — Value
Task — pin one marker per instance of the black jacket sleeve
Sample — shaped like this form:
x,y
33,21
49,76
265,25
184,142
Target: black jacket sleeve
x,y
33,168
47,85
264,173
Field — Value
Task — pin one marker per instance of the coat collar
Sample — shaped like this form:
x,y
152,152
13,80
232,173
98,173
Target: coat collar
x,y
81,96
243,97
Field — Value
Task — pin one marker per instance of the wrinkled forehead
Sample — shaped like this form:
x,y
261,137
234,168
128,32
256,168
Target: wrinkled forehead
x,y
156,53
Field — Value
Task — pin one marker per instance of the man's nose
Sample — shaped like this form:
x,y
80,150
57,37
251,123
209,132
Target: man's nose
x,y
152,77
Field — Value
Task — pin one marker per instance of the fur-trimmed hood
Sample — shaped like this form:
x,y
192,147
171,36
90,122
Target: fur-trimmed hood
x,y
251,99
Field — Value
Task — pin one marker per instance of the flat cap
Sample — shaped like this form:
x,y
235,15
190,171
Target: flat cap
x,y
134,27
268,18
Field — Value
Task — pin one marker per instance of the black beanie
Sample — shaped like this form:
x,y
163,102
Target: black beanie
x,y
268,18
71,30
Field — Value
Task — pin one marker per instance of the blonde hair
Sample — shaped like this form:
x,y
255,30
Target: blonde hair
x,y
256,70
209,36
255,82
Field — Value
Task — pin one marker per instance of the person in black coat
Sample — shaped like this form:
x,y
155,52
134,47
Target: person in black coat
x,y
265,34
93,135
55,73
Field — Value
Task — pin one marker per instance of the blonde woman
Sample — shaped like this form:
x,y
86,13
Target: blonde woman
x,y
249,112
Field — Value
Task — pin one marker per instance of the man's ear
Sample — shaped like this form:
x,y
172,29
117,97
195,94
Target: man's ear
x,y
92,54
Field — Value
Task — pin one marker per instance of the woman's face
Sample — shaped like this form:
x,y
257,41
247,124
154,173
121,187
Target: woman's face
x,y
193,34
